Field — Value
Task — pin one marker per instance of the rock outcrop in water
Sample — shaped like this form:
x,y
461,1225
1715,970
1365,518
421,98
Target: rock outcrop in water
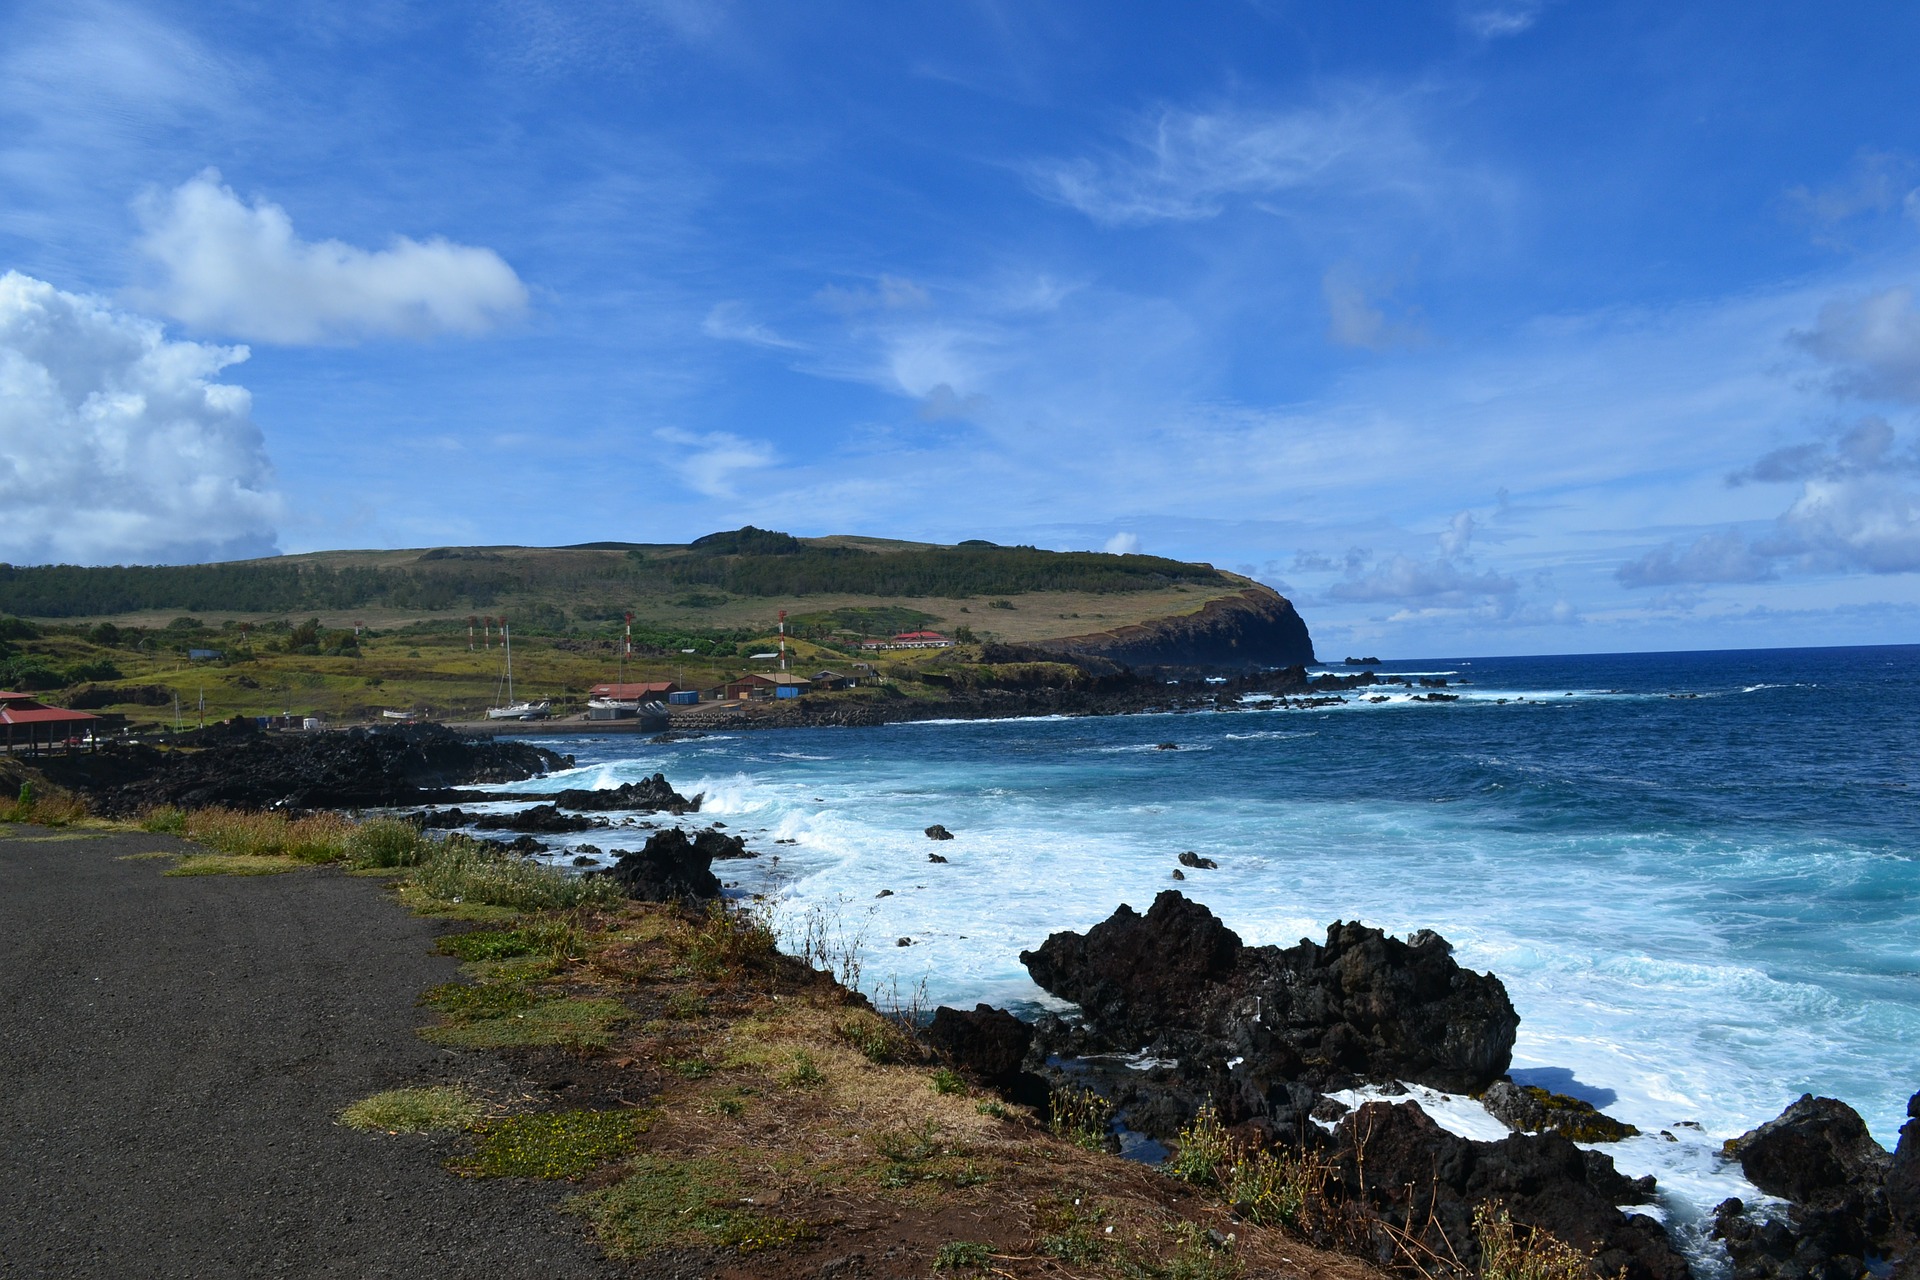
x,y
650,795
676,867
1848,1199
1362,1006
1528,1109
1402,1167
256,770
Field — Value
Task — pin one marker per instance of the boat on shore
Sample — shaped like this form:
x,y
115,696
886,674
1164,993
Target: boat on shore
x,y
514,709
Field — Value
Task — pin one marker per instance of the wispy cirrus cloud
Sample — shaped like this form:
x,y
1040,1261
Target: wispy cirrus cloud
x,y
240,269
712,462
731,322
1185,165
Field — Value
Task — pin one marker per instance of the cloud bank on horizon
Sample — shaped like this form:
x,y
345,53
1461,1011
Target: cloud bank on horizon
x,y
1477,326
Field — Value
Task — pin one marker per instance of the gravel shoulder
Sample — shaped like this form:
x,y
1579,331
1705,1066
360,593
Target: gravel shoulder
x,y
174,1052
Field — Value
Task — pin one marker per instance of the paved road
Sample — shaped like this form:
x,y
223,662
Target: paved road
x,y
172,1055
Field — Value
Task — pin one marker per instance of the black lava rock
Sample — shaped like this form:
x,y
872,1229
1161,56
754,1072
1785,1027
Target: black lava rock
x,y
542,818
651,795
1528,1109
938,832
672,867
1192,859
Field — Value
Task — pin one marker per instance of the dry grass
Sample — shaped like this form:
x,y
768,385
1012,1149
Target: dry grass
x,y
232,864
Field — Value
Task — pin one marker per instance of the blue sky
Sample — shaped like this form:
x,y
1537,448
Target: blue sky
x,y
1476,326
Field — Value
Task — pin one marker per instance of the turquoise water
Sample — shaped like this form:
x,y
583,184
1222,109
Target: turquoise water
x,y
1696,873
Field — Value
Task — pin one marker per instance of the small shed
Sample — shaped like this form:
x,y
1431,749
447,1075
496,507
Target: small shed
x,y
772,685
32,723
651,691
785,686
824,681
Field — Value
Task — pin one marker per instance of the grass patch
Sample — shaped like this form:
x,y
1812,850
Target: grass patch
x,y
427,1109
459,870
949,1082
877,1039
576,1023
565,1145
317,837
157,855
1081,1116
33,809
386,842
665,1201
726,943
467,1002
227,864
166,821
805,1073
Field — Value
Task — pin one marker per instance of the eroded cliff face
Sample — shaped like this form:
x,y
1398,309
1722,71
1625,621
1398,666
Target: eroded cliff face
x,y
1256,628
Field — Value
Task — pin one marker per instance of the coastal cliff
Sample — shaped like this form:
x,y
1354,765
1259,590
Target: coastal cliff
x,y
1257,628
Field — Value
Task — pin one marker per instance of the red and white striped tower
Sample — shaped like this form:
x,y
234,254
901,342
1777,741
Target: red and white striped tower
x,y
783,639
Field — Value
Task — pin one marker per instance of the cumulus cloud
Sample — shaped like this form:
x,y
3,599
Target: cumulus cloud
x,y
118,444
1857,523
729,322
1123,544
1724,556
1185,165
1872,343
1869,447
1447,580
710,461
240,269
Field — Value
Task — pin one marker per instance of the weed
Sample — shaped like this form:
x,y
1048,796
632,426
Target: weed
x,y
318,837
910,1145
947,1082
879,1040
804,1073
729,1102
1076,1244
1204,1146
567,1144
1275,1190
1081,1116
420,1110
689,1068
993,1109
962,1255
750,1233
57,810
729,941
575,1023
166,821
1506,1254
824,941
686,1005
461,870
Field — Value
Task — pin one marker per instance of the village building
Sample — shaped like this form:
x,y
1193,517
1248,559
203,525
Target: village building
x,y
31,723
773,685
623,701
911,640
824,681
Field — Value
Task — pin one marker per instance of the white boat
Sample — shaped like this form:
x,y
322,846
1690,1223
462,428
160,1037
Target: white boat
x,y
515,710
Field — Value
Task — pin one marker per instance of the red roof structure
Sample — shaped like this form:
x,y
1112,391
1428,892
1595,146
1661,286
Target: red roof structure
x,y
41,722
652,691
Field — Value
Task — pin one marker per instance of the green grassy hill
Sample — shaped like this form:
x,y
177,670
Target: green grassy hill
x,y
284,629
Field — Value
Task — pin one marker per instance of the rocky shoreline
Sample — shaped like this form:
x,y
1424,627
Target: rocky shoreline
x,y
1178,1017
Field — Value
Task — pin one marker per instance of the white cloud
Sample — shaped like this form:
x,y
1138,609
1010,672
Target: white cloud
x,y
1186,165
1504,18
1873,342
1123,544
117,444
1440,581
890,293
240,269
1724,556
729,322
1356,318
709,461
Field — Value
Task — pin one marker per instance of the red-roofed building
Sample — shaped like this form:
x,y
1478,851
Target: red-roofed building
x,y
652,691
30,722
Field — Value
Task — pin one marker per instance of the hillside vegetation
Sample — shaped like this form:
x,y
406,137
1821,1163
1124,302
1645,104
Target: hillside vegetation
x,y
347,634
589,582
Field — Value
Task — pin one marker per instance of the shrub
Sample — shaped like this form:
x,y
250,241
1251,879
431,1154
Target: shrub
x,y
386,842
1204,1147
1081,1116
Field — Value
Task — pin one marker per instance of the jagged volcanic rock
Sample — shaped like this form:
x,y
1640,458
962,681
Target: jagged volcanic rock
x,y
1529,1109
360,767
1403,1167
1818,1155
1361,1006
652,795
674,867
988,1044
1903,1177
544,819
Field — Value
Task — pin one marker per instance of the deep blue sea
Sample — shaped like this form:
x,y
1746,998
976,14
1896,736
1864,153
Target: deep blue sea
x,y
1698,874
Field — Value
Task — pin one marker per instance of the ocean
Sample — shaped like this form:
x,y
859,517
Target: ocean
x,y
1698,874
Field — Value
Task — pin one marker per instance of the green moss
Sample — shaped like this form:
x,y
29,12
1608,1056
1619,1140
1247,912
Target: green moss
x,y
565,1145
570,1023
665,1201
425,1109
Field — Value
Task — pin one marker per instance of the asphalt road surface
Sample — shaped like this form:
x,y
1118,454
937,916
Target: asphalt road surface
x,y
173,1053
